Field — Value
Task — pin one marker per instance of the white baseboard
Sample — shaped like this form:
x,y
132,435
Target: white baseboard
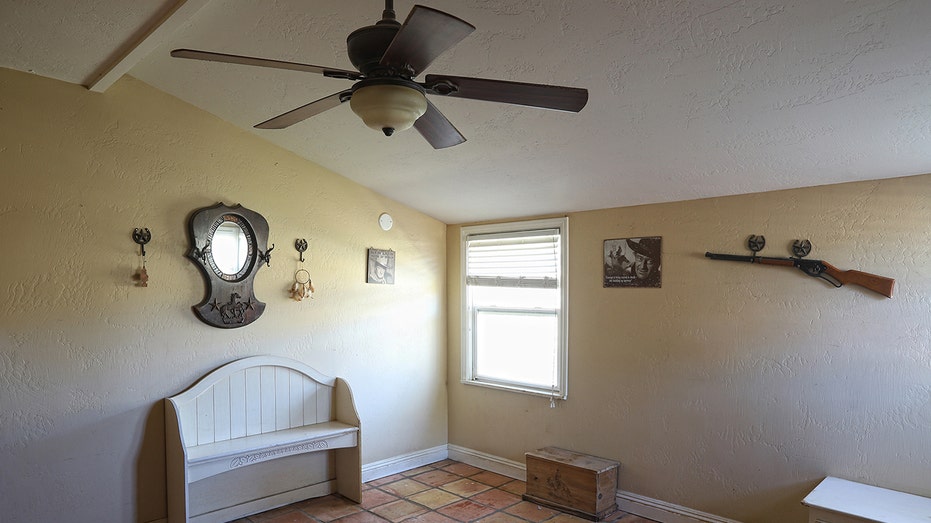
x,y
505,467
636,504
663,511
387,467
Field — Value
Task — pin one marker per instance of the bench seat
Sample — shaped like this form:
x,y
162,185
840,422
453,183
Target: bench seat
x,y
256,410
837,500
213,458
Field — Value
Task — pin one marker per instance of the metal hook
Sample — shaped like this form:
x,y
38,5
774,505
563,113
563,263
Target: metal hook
x,y
201,254
267,256
801,248
756,242
142,237
301,246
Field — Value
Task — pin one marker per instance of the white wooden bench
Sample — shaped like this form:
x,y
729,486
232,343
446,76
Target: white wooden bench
x,y
837,500
259,433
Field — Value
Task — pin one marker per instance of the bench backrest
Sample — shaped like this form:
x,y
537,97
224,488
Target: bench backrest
x,y
253,396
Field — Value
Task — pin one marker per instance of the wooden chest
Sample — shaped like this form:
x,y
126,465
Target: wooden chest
x,y
579,484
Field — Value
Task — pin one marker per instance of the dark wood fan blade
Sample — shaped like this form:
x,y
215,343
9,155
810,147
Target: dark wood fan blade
x,y
437,130
518,93
331,72
306,111
425,35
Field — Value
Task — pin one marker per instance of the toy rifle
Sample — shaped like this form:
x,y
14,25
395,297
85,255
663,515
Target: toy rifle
x,y
817,268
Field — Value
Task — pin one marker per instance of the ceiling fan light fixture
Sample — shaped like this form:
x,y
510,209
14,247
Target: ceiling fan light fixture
x,y
387,107
388,56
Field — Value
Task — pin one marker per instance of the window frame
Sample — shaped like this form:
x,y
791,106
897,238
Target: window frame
x,y
467,347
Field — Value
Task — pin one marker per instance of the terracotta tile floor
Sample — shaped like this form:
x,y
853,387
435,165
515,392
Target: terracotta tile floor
x,y
443,492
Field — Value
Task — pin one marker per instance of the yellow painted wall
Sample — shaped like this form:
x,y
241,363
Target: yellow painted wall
x,y
735,388
732,389
86,357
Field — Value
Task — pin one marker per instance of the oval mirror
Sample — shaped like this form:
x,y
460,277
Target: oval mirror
x,y
229,248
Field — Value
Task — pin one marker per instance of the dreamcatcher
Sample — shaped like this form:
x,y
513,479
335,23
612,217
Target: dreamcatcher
x,y
303,286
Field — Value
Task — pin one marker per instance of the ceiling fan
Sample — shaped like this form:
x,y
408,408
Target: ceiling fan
x,y
388,56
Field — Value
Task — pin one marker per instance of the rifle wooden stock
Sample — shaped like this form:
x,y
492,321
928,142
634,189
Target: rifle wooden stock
x,y
875,283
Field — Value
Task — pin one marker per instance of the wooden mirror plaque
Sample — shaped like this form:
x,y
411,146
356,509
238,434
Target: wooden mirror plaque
x,y
229,244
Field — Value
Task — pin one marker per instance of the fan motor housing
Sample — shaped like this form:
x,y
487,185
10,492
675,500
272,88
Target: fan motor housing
x,y
367,45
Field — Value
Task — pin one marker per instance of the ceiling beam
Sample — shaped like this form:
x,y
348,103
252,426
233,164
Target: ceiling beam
x,y
152,37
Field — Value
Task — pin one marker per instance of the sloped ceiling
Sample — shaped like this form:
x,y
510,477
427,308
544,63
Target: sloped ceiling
x,y
687,99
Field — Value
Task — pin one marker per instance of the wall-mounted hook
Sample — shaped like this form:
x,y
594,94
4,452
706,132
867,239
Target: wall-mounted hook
x,y
142,237
756,242
267,256
301,246
801,248
201,254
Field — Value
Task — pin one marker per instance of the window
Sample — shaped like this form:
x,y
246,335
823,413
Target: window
x,y
514,306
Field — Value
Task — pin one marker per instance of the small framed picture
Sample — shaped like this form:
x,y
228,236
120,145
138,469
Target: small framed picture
x,y
381,266
633,262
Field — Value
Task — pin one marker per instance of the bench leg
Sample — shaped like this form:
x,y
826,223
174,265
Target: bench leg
x,y
349,472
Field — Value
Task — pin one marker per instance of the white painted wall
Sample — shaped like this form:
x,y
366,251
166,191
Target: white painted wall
x,y
86,357
735,388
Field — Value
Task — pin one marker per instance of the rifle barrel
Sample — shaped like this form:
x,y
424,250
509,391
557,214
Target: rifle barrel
x,y
751,259
729,257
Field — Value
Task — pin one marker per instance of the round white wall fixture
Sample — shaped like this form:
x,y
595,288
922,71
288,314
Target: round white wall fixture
x,y
385,221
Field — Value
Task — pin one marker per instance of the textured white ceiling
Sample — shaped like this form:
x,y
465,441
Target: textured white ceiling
x,y
687,99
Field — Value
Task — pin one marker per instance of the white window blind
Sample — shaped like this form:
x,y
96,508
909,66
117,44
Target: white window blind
x,y
525,259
